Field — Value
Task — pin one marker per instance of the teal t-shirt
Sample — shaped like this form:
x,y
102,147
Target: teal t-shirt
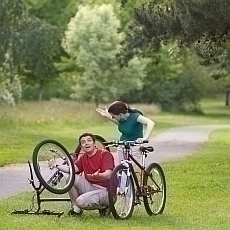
x,y
131,129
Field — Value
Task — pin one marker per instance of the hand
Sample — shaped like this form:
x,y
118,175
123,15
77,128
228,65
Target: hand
x,y
140,140
95,174
51,163
103,112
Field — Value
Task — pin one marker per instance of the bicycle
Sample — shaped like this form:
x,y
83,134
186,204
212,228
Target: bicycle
x,y
50,177
123,195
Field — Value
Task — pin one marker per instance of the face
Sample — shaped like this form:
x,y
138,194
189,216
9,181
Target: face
x,y
116,117
87,144
120,117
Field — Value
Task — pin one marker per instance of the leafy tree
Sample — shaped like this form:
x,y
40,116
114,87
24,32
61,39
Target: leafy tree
x,y
27,46
205,23
40,42
221,72
12,15
59,12
174,80
93,41
54,12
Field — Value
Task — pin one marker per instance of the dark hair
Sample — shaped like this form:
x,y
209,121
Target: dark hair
x,y
118,107
86,135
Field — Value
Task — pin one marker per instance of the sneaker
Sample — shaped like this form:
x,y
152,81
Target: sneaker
x,y
71,212
104,211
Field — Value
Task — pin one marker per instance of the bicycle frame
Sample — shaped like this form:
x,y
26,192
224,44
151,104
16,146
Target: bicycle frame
x,y
141,190
128,187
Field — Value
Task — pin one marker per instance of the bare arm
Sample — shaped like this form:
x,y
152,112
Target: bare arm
x,y
149,125
113,120
65,168
105,113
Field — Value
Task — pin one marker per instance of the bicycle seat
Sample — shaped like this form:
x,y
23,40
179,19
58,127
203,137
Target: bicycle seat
x,y
146,148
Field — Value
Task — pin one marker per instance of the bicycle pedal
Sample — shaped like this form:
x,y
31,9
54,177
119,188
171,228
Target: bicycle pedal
x,y
137,202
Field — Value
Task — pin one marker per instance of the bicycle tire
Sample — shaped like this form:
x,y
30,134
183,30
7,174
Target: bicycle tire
x,y
153,193
41,151
114,196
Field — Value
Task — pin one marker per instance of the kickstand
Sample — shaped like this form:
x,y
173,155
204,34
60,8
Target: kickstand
x,y
44,212
38,190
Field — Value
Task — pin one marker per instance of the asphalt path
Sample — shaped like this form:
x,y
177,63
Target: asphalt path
x,y
169,145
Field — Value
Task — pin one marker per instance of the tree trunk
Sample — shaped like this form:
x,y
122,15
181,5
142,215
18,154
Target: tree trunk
x,y
40,93
227,98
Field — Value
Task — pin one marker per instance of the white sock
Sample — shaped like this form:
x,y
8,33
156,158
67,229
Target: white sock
x,y
76,209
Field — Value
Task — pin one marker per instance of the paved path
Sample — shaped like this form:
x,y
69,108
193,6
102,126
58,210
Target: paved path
x,y
169,145
180,141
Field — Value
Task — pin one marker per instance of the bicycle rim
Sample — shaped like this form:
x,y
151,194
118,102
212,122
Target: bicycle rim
x,y
155,188
51,178
121,193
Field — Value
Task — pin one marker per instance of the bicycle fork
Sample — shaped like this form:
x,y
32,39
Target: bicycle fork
x,y
123,179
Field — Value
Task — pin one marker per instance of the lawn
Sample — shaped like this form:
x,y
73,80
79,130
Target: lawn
x,y
197,186
197,198
22,127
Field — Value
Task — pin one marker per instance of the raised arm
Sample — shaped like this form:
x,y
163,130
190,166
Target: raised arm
x,y
105,113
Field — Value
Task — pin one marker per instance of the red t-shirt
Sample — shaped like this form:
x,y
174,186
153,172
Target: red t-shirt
x,y
102,160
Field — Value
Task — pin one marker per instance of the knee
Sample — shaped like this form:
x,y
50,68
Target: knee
x,y
76,179
81,202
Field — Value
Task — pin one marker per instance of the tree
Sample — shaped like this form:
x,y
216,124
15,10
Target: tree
x,y
221,71
174,81
39,49
93,41
12,15
203,23
27,46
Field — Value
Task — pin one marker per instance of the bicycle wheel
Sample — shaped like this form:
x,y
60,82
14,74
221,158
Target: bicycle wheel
x,y
51,178
121,193
99,142
155,189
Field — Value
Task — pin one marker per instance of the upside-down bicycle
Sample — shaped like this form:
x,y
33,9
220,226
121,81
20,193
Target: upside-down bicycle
x,y
127,190
52,179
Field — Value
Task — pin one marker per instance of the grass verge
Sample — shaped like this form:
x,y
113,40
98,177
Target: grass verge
x,y
198,198
22,127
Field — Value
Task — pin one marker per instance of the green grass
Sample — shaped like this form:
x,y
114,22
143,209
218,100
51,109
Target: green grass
x,y
197,198
213,107
198,186
22,127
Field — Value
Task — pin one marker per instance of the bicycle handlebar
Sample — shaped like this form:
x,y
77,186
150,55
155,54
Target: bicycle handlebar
x,y
125,143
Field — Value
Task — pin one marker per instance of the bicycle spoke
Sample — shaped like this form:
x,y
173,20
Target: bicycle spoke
x,y
155,188
122,183
46,155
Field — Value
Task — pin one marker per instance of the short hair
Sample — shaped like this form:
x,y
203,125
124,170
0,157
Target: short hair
x,y
86,135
